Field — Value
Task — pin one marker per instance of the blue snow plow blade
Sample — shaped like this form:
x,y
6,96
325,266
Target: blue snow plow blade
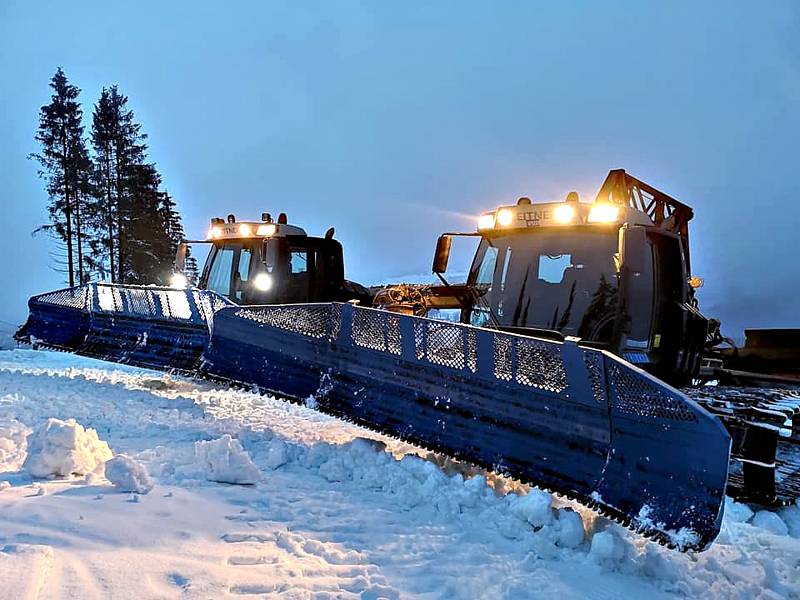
x,y
577,421
161,328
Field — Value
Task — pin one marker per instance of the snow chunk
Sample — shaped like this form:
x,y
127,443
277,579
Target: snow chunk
x,y
771,522
605,547
128,474
225,461
737,513
276,454
536,507
791,516
12,444
570,533
64,448
5,485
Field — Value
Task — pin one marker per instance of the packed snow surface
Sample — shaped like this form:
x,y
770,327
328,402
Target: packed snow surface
x,y
333,511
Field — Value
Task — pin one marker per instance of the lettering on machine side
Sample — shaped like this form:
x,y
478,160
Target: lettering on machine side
x,y
534,218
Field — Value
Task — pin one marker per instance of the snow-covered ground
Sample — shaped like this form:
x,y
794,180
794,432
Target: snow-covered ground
x,y
335,511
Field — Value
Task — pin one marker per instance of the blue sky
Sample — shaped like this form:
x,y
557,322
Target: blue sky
x,y
396,121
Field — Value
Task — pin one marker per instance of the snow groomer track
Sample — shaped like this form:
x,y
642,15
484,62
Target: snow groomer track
x,y
573,420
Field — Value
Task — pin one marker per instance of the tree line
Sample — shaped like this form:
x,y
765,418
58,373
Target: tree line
x,y
107,208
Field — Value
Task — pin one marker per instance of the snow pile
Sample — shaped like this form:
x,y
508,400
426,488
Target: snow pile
x,y
128,474
64,448
224,460
12,444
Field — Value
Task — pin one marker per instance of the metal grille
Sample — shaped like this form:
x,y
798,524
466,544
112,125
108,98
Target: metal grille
x,y
419,338
312,320
72,297
141,302
472,350
445,344
503,351
174,304
109,298
335,321
394,340
207,304
539,364
594,365
635,395
378,330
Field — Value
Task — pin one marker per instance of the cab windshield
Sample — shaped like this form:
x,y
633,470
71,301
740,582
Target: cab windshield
x,y
228,270
561,280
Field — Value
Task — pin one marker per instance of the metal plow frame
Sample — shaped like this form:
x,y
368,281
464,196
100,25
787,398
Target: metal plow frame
x,y
157,327
576,421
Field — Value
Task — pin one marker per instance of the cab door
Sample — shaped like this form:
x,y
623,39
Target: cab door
x,y
658,328
634,337
228,271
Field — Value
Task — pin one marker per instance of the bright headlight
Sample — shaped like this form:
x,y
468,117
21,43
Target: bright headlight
x,y
262,282
563,213
603,213
215,232
504,217
267,230
178,280
245,230
486,221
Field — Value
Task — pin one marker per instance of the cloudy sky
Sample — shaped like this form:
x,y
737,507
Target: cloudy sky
x,y
396,121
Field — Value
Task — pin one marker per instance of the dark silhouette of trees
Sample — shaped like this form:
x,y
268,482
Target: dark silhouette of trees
x,y
107,207
65,167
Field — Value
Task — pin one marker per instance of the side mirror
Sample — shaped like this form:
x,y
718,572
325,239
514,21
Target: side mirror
x,y
180,257
270,254
442,255
633,248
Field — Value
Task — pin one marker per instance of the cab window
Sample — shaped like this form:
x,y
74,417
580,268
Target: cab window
x,y
479,315
219,276
298,261
243,273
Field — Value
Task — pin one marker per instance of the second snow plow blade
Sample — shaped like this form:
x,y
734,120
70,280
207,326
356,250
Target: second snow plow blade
x,y
161,328
576,421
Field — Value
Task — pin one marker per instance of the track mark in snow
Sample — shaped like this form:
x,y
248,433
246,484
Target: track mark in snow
x,y
287,562
239,561
252,589
238,538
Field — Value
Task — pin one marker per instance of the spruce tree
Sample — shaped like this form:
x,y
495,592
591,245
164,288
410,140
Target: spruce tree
x,y
119,152
64,166
176,234
138,227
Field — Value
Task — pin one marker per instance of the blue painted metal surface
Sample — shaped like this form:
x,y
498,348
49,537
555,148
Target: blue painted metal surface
x,y
573,420
150,326
577,421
